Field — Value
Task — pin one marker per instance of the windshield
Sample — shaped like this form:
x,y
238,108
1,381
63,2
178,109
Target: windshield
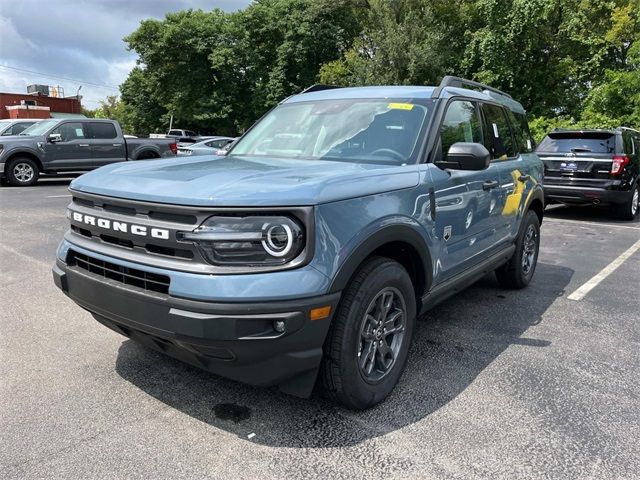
x,y
578,142
376,131
39,128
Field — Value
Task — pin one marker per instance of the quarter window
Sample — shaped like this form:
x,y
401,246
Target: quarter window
x,y
461,124
500,140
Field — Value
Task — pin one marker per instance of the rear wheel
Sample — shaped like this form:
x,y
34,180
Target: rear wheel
x,y
518,272
22,172
368,342
629,210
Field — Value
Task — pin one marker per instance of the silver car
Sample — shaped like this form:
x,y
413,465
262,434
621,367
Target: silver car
x,y
210,146
15,126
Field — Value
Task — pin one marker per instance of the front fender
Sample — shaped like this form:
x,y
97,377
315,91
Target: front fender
x,y
385,231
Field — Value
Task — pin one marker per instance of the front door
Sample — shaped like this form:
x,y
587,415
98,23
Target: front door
x,y
465,200
72,152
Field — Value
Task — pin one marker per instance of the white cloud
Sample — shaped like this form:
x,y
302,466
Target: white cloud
x,y
80,40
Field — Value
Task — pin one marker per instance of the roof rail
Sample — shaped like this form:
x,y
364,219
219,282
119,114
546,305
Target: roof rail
x,y
318,87
628,128
451,81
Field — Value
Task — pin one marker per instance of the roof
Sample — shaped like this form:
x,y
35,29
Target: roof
x,y
66,115
402,92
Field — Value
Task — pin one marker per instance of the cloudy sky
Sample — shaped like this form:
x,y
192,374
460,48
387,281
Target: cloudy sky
x,y
78,42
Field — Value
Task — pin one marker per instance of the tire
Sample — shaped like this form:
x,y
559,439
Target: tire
x,y
519,270
629,210
342,377
22,172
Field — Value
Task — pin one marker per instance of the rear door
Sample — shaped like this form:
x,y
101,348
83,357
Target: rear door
x,y
106,146
578,158
73,151
508,146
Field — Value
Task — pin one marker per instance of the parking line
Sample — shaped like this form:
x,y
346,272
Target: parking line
x,y
604,273
58,196
595,224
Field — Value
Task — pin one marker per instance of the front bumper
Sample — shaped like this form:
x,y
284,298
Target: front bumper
x,y
234,340
584,195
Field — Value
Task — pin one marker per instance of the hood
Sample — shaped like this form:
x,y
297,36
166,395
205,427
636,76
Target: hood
x,y
244,181
18,140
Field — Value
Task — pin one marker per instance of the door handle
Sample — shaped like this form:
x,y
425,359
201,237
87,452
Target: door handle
x,y
524,178
489,184
84,145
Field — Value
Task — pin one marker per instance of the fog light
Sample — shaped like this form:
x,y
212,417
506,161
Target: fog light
x,y
278,326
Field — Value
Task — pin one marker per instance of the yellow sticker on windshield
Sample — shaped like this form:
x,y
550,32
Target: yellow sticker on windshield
x,y
400,106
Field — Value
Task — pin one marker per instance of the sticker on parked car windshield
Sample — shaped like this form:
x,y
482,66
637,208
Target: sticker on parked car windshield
x,y
400,106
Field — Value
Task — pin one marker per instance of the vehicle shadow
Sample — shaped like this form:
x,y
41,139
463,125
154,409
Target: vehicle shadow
x,y
453,344
587,213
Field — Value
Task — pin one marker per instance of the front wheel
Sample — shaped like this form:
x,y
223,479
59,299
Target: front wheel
x,y
22,172
368,342
518,272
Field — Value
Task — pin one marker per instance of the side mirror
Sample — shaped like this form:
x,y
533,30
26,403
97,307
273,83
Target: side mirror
x,y
54,138
466,156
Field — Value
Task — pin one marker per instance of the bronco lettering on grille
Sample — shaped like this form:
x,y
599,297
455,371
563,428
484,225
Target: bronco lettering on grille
x,y
141,230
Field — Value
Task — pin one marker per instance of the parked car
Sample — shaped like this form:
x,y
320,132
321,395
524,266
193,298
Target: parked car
x,y
309,250
597,167
65,146
15,127
205,147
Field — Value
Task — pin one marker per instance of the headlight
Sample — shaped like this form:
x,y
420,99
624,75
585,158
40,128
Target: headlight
x,y
248,241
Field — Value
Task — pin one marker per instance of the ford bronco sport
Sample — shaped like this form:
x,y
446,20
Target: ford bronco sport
x,y
307,252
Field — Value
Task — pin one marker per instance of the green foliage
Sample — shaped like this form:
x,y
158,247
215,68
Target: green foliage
x,y
572,63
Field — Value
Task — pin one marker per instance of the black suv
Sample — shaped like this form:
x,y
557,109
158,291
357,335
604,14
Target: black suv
x,y
593,167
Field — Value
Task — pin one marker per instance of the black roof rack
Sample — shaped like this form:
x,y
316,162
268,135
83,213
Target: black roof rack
x,y
318,87
451,81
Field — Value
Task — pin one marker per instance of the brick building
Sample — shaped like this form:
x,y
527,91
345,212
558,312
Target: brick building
x,y
38,103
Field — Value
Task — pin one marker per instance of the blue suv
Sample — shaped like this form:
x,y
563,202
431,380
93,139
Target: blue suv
x,y
305,255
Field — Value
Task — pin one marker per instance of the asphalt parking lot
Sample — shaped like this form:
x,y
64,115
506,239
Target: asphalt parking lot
x,y
500,384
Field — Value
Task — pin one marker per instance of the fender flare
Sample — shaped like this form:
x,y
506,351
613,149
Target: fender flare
x,y
537,193
8,155
386,234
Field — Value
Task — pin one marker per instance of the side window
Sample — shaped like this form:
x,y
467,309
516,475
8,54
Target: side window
x,y
627,143
103,130
500,141
524,142
218,143
175,132
461,124
18,128
70,131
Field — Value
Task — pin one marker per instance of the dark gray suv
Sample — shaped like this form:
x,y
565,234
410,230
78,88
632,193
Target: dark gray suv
x,y
599,167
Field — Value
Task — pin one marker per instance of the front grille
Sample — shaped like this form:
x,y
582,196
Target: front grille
x,y
119,273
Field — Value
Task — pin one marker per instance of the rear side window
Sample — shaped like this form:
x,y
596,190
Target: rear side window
x,y
524,141
461,124
175,132
627,143
500,140
103,130
578,142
